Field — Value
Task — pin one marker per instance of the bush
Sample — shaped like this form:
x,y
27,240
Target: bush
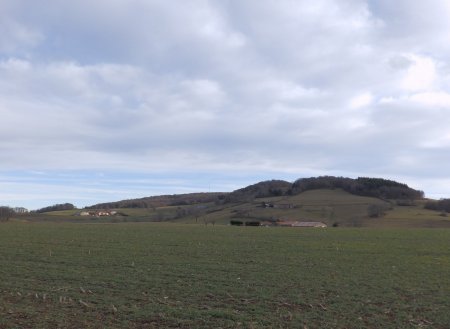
x,y
405,203
254,223
236,222
375,210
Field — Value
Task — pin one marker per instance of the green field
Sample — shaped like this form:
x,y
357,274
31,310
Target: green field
x,y
155,275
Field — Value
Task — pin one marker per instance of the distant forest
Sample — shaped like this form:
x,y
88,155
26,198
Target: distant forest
x,y
162,201
364,186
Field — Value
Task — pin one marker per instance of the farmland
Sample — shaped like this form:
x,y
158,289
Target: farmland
x,y
332,207
165,275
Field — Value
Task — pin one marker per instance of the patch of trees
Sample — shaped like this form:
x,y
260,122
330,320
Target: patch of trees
x,y
376,210
405,203
6,213
57,207
440,205
193,211
264,189
364,186
161,201
241,223
253,223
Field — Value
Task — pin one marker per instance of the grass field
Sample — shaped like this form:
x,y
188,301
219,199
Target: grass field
x,y
153,275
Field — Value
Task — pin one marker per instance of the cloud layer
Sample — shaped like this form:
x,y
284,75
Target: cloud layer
x,y
257,88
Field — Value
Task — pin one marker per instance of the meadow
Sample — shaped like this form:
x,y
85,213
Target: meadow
x,y
165,275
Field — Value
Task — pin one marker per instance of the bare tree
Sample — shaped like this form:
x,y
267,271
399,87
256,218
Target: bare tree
x,y
5,213
375,210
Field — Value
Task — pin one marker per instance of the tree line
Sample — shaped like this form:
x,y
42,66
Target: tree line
x,y
440,205
162,201
364,186
259,190
6,213
56,207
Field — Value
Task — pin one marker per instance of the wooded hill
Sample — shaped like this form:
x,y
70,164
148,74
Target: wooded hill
x,y
362,186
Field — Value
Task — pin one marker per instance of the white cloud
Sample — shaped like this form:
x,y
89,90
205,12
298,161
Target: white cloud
x,y
421,74
15,66
434,99
361,100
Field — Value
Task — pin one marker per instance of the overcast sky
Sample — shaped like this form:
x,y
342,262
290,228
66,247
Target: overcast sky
x,y
111,99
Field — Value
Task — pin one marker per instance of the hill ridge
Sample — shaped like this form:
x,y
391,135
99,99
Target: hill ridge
x,y
362,186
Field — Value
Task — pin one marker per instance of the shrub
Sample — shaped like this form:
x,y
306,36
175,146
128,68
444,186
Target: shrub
x,y
375,210
253,223
236,222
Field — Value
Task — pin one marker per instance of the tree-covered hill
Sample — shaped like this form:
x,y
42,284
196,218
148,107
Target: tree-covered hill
x,y
363,186
259,190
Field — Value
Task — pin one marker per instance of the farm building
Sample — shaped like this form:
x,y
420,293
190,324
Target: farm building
x,y
267,223
279,206
20,210
300,224
98,213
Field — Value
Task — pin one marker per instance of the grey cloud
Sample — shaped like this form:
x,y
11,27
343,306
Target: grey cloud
x,y
15,36
400,62
348,86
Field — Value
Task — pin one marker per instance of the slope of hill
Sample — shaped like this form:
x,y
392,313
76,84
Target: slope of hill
x,y
334,207
336,201
259,190
373,187
162,201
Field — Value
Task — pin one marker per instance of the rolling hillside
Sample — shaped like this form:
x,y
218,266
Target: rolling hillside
x,y
335,201
332,207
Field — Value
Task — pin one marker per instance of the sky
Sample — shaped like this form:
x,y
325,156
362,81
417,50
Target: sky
x,y
115,99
